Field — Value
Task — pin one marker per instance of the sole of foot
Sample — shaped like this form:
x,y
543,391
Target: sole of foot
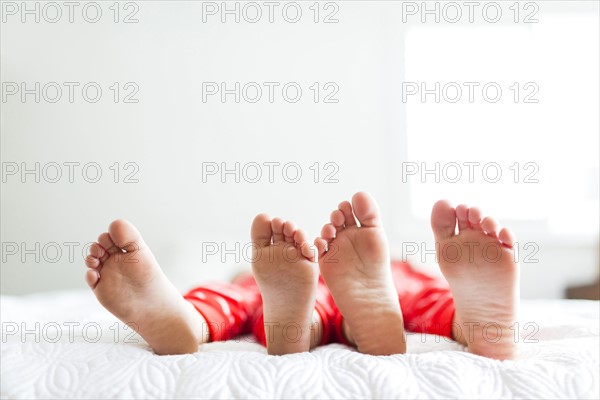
x,y
479,264
286,274
128,282
355,263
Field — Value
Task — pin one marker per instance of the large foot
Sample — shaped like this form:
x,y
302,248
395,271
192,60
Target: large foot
x,y
283,265
355,263
478,263
128,282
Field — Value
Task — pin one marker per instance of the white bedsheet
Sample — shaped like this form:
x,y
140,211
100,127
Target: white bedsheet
x,y
563,364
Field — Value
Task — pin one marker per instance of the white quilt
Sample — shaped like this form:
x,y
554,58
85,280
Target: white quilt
x,y
58,358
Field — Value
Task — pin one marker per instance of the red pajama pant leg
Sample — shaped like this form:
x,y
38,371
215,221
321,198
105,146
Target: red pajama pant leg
x,y
233,309
426,301
228,308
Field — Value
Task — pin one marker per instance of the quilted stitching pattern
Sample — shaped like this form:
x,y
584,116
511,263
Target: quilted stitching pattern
x,y
563,364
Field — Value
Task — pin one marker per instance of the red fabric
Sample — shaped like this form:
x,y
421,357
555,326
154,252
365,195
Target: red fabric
x,y
236,308
227,308
426,301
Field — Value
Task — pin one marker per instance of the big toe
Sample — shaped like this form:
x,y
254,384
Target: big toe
x,y
125,236
443,220
261,231
366,209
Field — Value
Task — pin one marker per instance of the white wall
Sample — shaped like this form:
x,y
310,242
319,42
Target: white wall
x,y
170,132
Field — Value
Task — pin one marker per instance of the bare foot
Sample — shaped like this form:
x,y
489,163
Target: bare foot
x,y
479,265
128,282
356,268
283,265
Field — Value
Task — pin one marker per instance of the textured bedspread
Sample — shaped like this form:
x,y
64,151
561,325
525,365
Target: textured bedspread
x,y
65,345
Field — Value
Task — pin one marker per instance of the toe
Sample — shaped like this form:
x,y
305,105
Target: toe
x,y
507,237
366,209
261,233
321,245
97,251
443,220
300,237
289,228
92,262
337,219
125,236
328,232
277,228
308,251
490,226
106,242
346,208
92,277
475,217
462,215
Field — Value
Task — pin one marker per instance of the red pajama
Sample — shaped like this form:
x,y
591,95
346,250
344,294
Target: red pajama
x,y
233,309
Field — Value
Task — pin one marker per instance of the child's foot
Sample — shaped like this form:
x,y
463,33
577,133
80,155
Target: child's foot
x,y
128,282
479,265
356,268
283,265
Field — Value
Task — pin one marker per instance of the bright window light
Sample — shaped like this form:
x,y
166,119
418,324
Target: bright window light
x,y
549,147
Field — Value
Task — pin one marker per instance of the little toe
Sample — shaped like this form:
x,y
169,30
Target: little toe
x,y
490,226
475,217
328,232
277,228
366,209
308,251
321,245
261,232
92,277
507,237
346,208
443,220
462,215
289,228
